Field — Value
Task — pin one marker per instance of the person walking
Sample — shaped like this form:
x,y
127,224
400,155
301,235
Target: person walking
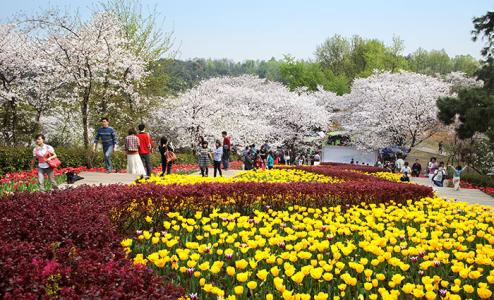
x,y
431,169
248,163
134,161
457,176
227,146
270,160
317,159
108,138
416,168
287,157
44,153
263,157
204,155
218,154
167,153
399,163
439,175
145,148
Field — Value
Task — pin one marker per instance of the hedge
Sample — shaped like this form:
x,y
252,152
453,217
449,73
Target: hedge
x,y
19,158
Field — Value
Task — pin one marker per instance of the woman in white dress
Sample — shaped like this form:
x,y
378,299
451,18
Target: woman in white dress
x,y
134,162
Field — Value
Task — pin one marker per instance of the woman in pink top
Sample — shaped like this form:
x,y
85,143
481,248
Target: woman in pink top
x,y
43,153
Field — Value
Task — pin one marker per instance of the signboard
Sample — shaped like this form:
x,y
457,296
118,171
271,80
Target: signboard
x,y
344,154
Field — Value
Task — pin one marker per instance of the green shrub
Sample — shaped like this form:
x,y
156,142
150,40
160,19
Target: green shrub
x,y
19,158
475,178
478,179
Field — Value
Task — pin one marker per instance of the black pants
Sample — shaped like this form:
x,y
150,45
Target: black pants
x,y
217,166
204,171
166,168
146,161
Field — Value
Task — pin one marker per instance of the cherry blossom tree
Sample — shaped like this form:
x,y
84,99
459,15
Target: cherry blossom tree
x,y
460,80
251,109
394,109
92,57
16,61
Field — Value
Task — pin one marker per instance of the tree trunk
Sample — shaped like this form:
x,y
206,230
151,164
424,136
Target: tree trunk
x,y
84,112
38,120
14,120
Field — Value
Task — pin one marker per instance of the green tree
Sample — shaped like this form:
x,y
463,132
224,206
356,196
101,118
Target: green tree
x,y
394,60
430,62
465,63
333,53
484,29
474,109
298,73
367,56
141,28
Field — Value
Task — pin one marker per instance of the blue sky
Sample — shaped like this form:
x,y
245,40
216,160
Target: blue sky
x,y
263,29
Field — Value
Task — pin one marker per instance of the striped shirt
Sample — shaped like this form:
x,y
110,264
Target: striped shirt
x,y
107,135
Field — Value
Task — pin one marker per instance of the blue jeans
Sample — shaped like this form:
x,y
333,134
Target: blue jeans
x,y
225,159
226,163
107,152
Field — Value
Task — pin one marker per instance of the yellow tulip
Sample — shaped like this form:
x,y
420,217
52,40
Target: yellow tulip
x,y
242,277
262,274
251,285
241,264
239,290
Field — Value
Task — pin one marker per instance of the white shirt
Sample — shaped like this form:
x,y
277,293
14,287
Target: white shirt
x,y
408,170
41,152
399,163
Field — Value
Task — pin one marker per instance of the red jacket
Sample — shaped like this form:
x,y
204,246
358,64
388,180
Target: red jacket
x,y
144,143
226,141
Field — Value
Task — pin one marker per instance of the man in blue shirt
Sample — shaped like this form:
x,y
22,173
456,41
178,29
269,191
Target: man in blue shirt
x,y
108,140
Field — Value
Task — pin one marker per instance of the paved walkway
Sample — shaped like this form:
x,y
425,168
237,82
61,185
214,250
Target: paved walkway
x,y
100,178
471,196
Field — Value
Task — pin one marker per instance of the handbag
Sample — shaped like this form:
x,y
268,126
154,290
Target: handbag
x,y
170,156
54,163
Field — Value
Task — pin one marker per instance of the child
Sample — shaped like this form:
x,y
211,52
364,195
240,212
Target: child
x,y
405,170
204,158
270,160
218,153
456,176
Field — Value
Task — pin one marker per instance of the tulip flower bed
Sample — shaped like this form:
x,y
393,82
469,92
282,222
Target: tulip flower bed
x,y
429,249
271,176
191,168
26,181
67,243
